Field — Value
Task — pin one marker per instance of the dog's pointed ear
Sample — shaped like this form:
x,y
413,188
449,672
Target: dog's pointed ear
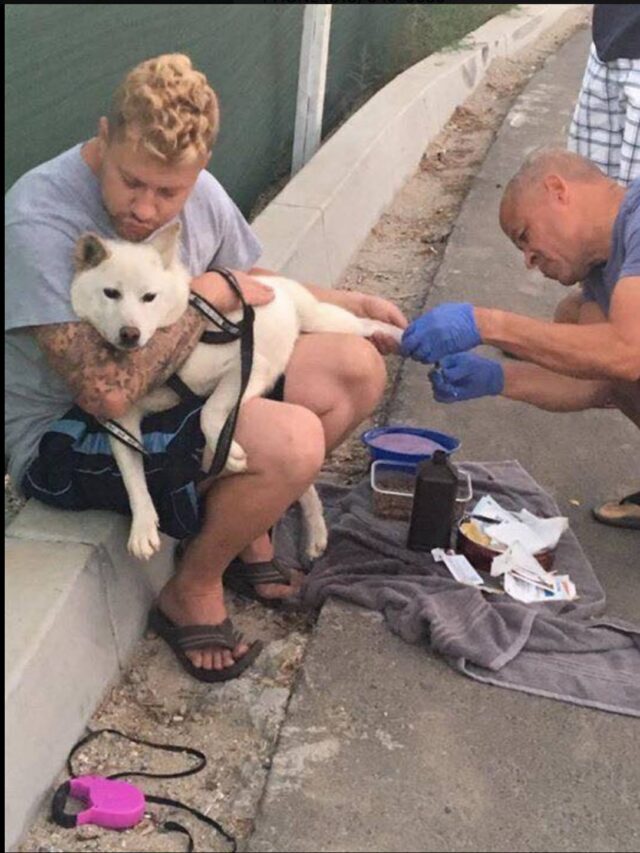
x,y
89,252
167,242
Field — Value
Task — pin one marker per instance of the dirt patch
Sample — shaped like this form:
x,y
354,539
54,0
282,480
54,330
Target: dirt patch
x,y
237,724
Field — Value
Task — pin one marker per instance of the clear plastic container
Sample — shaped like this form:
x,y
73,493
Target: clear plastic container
x,y
392,484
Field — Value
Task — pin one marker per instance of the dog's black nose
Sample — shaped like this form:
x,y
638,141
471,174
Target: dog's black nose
x,y
129,336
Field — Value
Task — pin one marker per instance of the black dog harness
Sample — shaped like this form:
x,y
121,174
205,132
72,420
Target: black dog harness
x,y
229,331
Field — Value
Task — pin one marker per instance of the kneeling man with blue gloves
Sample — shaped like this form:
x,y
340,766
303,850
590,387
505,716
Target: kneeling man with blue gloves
x,y
573,224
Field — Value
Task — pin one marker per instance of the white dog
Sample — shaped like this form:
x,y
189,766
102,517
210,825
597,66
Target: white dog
x,y
127,291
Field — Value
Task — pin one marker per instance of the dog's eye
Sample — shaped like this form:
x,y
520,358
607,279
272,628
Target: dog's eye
x,y
149,297
111,293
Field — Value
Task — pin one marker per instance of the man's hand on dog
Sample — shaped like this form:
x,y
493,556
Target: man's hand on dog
x,y
214,289
377,308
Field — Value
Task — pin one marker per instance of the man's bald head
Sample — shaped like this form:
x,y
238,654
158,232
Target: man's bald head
x,y
558,209
542,163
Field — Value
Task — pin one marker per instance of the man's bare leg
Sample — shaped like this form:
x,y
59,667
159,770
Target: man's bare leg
x,y
568,309
341,379
285,448
624,396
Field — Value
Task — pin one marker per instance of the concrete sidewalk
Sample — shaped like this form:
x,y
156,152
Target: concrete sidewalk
x,y
385,747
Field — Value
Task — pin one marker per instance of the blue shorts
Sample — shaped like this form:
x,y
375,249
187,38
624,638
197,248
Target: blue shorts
x,y
75,468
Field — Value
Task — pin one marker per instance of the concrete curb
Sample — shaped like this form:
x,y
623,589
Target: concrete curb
x,y
314,227
76,602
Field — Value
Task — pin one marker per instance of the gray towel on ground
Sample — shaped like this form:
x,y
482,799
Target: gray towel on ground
x,y
562,650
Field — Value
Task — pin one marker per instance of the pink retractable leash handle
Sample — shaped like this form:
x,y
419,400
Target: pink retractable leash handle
x,y
111,803
114,804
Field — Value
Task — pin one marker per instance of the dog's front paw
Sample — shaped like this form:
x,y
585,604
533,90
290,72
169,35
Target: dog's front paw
x,y
317,538
237,459
144,540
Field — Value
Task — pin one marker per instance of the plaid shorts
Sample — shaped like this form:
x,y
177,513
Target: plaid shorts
x,y
75,467
606,121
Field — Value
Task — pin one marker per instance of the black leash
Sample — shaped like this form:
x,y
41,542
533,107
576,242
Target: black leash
x,y
245,332
230,331
118,431
66,820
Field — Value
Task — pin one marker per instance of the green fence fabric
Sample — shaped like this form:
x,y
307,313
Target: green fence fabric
x,y
371,44
62,63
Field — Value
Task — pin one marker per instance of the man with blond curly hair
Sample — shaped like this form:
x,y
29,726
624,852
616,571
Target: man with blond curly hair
x,y
145,170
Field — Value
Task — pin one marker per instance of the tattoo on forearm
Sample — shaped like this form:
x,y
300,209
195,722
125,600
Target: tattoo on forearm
x,y
94,369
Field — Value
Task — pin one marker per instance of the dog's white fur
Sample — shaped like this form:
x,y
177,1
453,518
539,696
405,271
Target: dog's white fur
x,y
112,290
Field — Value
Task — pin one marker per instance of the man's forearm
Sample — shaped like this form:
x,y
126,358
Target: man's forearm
x,y
590,351
545,389
106,381
364,305
344,298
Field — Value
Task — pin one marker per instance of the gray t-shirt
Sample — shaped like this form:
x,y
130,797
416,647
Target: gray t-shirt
x,y
624,259
46,210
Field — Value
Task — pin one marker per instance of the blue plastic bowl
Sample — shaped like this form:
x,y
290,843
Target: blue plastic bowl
x,y
448,443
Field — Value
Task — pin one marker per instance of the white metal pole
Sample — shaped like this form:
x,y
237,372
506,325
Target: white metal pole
x,y
312,77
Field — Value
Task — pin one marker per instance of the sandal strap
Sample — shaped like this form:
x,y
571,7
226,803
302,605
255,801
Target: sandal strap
x,y
633,499
191,637
181,547
268,571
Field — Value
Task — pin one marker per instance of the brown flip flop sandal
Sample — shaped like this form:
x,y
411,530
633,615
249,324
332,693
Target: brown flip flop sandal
x,y
242,579
624,513
192,637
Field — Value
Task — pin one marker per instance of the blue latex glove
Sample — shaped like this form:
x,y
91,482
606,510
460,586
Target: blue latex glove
x,y
465,376
447,329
